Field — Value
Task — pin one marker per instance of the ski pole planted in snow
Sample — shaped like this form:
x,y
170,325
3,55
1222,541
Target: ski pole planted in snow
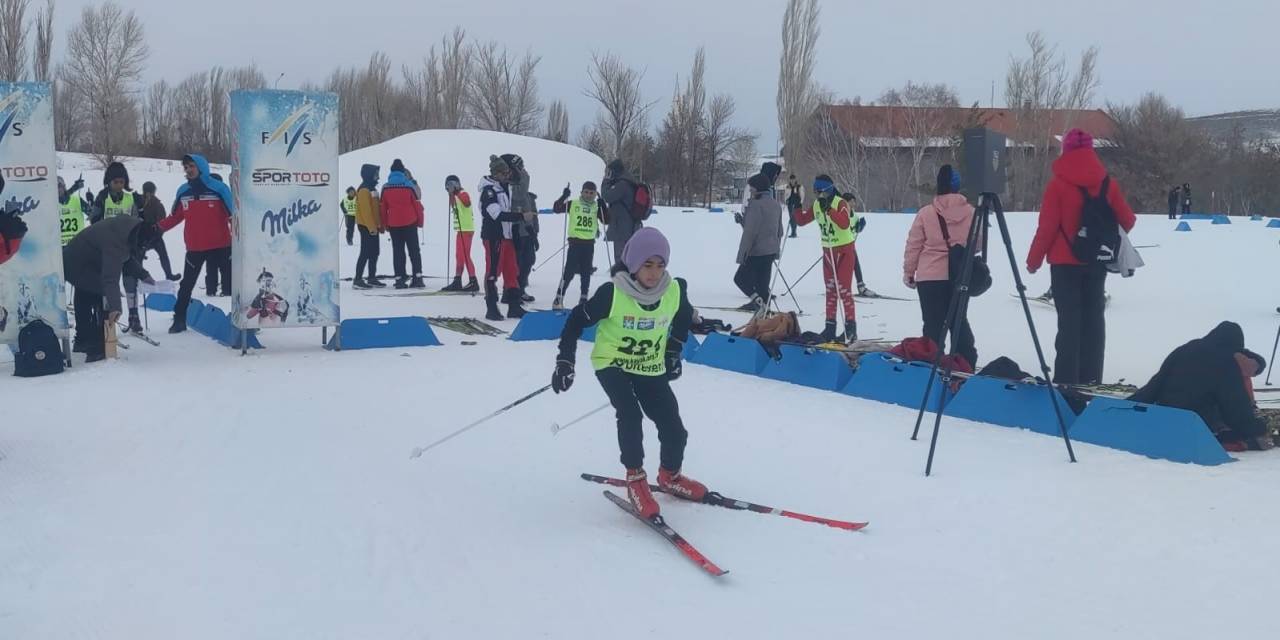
x,y
556,427
418,451
1273,356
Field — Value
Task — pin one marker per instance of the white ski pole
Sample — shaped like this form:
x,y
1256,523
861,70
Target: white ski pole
x,y
556,427
418,451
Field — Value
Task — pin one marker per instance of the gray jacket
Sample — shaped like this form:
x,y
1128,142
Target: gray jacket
x,y
761,228
619,193
96,258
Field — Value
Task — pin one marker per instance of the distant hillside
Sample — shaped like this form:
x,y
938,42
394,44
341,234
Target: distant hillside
x,y
1262,124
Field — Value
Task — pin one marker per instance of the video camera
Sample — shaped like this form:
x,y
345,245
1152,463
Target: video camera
x,y
985,161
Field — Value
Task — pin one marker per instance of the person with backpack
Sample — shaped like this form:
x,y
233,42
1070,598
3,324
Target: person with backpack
x,y
1186,198
1174,196
585,215
93,262
402,216
464,226
760,244
838,225
620,201
926,261
369,222
206,206
642,319
1078,233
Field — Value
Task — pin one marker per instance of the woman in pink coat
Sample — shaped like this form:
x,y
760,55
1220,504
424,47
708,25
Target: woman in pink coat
x,y
924,263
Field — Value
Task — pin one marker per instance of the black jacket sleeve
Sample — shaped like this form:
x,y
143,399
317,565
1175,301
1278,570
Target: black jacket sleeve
x,y
684,318
583,316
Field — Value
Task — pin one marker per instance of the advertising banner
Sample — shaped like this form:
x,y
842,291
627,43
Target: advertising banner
x,y
284,180
31,280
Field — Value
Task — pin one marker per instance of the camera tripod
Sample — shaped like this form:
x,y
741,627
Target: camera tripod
x,y
988,203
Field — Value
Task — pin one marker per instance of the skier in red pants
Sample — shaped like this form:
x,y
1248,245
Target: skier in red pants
x,y
499,215
838,226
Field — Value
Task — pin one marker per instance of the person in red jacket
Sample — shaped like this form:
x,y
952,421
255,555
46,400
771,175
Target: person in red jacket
x,y
1079,290
838,226
205,205
401,204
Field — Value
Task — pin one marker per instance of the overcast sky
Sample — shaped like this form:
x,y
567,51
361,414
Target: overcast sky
x,y
1207,57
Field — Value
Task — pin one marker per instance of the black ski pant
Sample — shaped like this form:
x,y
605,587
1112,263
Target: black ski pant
x,y
634,397
791,210
935,301
195,261
89,321
163,253
1173,211
219,270
753,276
580,257
1079,294
370,247
526,257
351,228
405,240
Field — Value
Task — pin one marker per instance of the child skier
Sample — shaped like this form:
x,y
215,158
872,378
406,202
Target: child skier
x,y
464,223
642,318
838,226
585,215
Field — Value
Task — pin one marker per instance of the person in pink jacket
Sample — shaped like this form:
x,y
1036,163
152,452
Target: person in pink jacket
x,y
924,262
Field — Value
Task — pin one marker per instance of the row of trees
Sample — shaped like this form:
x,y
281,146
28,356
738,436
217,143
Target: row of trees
x,y
103,107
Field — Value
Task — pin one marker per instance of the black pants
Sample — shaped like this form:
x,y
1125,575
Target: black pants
x,y
634,397
89,321
369,250
753,276
351,228
526,257
219,269
1186,207
1079,294
1173,211
195,261
580,257
405,240
791,210
163,253
935,301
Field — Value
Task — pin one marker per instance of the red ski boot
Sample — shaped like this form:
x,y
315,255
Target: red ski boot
x,y
681,486
638,493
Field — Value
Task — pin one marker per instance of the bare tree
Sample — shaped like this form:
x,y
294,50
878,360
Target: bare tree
x,y
557,122
503,95
681,142
921,113
1156,149
42,52
68,121
721,137
797,94
455,73
595,138
840,153
155,127
422,90
14,32
1035,87
106,54
616,87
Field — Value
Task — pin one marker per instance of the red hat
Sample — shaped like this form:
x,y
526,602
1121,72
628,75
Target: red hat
x,y
1076,139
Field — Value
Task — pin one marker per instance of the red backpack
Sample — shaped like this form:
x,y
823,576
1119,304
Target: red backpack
x,y
642,203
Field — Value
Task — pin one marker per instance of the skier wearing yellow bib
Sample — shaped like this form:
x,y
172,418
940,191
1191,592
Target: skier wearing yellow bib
x,y
642,319
585,217
118,200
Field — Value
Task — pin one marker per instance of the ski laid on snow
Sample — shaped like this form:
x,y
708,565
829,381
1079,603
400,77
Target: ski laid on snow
x,y
660,526
141,336
718,500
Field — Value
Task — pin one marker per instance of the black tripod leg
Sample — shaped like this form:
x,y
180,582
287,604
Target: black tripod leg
x,y
1035,337
1273,356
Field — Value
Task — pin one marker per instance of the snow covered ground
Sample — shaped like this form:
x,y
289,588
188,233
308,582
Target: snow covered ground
x,y
187,492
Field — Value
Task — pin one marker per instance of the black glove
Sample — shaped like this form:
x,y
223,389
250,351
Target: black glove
x,y
737,217
862,224
76,186
562,379
675,366
11,225
564,195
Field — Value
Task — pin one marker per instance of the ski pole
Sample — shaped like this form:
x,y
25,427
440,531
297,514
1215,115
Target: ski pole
x,y
806,272
1273,356
418,451
544,262
556,427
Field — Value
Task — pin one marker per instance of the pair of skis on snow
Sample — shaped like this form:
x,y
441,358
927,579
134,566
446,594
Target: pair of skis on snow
x,y
660,526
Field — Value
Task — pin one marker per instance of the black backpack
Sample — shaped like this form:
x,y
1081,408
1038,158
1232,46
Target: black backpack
x,y
1098,241
39,352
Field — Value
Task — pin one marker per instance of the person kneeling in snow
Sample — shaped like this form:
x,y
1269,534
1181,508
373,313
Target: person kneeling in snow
x,y
94,262
642,320
1211,376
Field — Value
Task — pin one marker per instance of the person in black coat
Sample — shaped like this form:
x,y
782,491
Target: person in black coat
x,y
1208,376
94,262
1175,194
1186,198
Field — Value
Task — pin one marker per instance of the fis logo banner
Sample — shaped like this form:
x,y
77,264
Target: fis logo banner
x,y
10,106
292,130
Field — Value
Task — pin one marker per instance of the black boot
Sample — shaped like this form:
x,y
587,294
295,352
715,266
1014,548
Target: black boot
x,y
829,332
401,283
375,282
96,356
491,306
456,285
472,286
135,323
850,332
417,283
179,324
515,311
526,298
173,277
359,283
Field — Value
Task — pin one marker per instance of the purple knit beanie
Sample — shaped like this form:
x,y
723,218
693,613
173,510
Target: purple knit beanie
x,y
644,244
